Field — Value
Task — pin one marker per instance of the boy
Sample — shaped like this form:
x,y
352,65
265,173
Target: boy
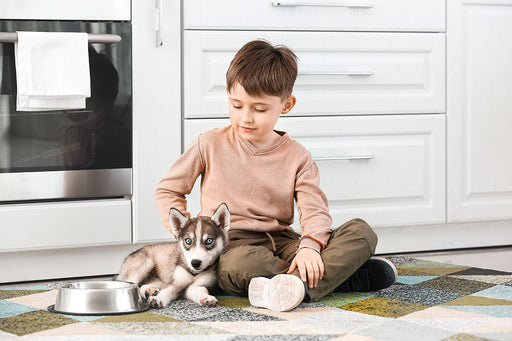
x,y
259,172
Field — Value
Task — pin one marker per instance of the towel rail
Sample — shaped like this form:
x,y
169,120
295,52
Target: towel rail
x,y
94,38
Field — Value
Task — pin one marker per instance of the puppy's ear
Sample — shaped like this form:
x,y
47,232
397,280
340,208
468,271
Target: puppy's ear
x,y
221,216
177,221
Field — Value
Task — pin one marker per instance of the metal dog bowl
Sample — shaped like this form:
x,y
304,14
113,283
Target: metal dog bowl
x,y
98,298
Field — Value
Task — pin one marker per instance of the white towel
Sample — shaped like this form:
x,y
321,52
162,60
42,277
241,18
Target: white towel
x,y
52,71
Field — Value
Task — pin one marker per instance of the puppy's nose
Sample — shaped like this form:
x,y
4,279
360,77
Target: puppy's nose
x,y
196,263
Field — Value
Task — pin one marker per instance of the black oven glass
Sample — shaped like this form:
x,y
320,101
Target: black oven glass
x,y
97,137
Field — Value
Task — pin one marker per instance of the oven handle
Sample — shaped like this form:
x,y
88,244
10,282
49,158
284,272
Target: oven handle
x,y
94,38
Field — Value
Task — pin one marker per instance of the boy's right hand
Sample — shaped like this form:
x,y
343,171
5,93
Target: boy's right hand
x,y
310,265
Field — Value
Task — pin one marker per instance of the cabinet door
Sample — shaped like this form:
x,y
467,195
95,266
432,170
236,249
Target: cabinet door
x,y
388,170
156,111
55,225
479,110
327,15
340,73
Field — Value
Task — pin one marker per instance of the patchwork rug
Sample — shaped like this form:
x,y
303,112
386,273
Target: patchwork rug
x,y
430,301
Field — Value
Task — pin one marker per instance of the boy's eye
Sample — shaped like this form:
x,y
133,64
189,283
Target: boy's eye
x,y
237,106
261,110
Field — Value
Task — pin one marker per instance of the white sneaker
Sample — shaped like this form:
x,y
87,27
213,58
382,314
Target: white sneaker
x,y
279,293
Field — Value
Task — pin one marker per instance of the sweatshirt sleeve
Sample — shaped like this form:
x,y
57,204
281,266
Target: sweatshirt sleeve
x,y
314,217
179,181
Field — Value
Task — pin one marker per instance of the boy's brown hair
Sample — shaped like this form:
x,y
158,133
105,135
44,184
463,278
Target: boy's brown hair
x,y
263,69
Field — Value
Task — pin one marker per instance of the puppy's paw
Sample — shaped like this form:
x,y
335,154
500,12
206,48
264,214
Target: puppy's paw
x,y
162,300
208,300
146,291
151,291
156,302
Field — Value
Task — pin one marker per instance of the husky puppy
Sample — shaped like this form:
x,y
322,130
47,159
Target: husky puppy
x,y
185,267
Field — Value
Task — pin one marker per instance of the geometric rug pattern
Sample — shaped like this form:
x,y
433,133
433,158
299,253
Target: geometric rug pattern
x,y
430,301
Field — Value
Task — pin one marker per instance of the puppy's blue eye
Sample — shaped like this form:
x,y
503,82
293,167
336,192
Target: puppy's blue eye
x,y
209,241
188,241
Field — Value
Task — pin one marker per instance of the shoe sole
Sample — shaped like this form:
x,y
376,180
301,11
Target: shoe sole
x,y
280,293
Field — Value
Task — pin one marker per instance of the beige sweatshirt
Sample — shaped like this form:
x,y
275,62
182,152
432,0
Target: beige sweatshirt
x,y
258,185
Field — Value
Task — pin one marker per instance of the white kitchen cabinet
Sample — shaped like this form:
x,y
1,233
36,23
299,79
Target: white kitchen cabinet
x,y
322,15
388,169
340,73
479,71
156,111
370,101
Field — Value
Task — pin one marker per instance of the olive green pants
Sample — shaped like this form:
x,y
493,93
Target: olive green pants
x,y
260,254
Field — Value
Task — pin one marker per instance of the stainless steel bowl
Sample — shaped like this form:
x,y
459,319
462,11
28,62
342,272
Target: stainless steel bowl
x,y
98,298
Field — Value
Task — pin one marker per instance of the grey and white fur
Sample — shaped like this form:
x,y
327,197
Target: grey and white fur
x,y
185,267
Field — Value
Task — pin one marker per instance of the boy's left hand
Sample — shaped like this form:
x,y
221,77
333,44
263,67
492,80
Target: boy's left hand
x,y
310,265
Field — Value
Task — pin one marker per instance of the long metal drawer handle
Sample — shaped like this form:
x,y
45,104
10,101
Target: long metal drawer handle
x,y
158,23
93,38
298,4
342,73
343,158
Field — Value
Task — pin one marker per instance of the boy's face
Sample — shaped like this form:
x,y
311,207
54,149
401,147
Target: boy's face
x,y
254,118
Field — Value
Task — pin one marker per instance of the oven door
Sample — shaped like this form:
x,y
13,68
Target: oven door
x,y
69,153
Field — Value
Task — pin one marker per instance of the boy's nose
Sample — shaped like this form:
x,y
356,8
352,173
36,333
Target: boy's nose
x,y
247,116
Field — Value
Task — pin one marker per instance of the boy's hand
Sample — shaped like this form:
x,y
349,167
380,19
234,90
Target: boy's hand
x,y
310,265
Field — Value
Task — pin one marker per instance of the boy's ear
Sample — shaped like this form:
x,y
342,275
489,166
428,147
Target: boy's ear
x,y
289,104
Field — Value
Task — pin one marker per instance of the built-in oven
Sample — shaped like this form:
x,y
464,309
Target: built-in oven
x,y
77,153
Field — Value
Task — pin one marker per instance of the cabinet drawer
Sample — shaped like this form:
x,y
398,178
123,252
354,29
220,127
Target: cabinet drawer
x,y
340,73
65,224
388,170
349,15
